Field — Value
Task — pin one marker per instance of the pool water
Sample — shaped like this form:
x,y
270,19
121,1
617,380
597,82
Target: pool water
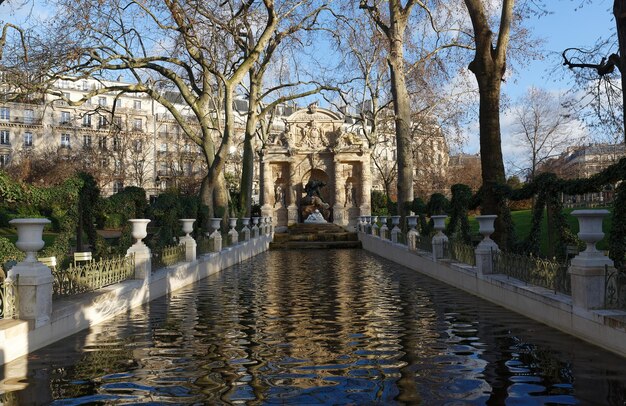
x,y
319,327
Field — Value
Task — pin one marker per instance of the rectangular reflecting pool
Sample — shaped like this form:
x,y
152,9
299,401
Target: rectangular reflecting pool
x,y
317,327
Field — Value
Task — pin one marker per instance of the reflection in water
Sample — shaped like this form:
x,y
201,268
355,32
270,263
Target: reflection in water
x,y
317,327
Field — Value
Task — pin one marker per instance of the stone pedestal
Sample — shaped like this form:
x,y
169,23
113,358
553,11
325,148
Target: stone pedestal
x,y
487,247
245,230
384,229
216,236
233,235
255,227
187,240
588,269
440,239
34,292
395,231
413,235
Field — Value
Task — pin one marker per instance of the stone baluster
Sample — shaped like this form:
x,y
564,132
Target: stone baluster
x,y
375,227
395,231
440,240
487,247
187,240
368,225
216,236
267,225
587,269
245,230
143,256
384,230
233,235
255,227
412,235
34,279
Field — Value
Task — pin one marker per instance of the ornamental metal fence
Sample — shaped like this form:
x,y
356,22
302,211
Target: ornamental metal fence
x,y
459,251
205,245
534,271
92,275
168,256
615,288
9,299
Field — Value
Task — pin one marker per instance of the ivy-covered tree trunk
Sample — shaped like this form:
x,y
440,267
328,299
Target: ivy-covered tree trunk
x,y
619,11
247,165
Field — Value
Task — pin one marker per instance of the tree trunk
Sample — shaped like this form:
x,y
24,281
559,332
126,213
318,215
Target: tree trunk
x,y
247,167
491,153
402,110
619,11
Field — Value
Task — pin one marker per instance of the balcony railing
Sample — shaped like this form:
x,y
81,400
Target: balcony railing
x,y
26,120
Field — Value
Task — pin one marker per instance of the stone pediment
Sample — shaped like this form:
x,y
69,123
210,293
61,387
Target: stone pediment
x,y
313,113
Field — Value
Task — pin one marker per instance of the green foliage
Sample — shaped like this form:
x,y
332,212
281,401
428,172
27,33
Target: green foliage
x,y
418,206
380,203
438,204
459,222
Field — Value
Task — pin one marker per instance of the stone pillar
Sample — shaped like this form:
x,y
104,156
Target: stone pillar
x,y
233,235
412,235
338,206
255,227
143,256
365,203
375,226
216,236
440,239
384,229
34,279
487,247
292,208
395,231
245,229
587,269
188,241
267,186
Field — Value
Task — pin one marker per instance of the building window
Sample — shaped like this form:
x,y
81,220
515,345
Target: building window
x,y
102,101
5,138
66,96
118,186
137,124
87,120
102,143
64,84
117,120
5,113
65,141
29,116
85,85
117,144
65,117
28,139
163,147
102,122
138,145
137,104
118,167
118,103
4,160
87,141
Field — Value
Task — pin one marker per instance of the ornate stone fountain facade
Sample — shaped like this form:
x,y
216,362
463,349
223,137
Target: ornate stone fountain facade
x,y
314,146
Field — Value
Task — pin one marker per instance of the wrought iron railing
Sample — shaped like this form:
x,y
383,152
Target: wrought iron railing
x,y
425,243
204,246
167,256
615,288
93,275
9,299
533,270
460,251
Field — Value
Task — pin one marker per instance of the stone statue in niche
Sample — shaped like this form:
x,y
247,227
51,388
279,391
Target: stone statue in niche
x,y
279,196
350,195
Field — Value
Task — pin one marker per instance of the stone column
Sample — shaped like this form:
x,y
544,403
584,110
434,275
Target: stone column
x,y
292,190
267,186
487,247
365,203
187,240
143,261
34,279
338,209
587,269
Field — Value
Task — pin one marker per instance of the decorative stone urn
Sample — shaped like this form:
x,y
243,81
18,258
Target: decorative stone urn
x,y
412,236
216,235
395,231
139,229
487,247
588,269
29,236
245,230
439,239
35,279
187,226
233,235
